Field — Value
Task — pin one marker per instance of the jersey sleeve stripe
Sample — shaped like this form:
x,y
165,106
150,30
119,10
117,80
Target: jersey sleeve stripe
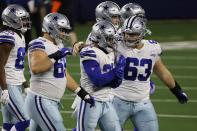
x,y
6,41
36,44
7,37
36,47
89,53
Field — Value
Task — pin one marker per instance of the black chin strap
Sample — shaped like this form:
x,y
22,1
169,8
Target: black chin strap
x,y
103,49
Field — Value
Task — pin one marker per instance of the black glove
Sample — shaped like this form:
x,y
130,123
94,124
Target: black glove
x,y
86,97
60,53
180,95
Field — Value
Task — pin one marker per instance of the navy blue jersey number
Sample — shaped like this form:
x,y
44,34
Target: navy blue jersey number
x,y
131,70
59,68
19,63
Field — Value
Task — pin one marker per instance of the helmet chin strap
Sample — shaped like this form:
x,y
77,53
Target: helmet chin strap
x,y
134,43
23,30
116,26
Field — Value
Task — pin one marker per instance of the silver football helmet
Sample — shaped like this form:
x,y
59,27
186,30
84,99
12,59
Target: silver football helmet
x,y
131,9
103,33
57,25
135,25
106,10
16,17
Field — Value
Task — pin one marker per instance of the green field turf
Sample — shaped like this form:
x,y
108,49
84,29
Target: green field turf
x,y
182,63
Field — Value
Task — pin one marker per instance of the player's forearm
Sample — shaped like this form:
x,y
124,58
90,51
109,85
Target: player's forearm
x,y
71,83
3,83
167,79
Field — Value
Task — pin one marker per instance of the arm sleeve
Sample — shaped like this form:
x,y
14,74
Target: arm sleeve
x,y
93,71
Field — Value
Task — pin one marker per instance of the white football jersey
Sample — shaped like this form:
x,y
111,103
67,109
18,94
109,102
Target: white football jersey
x,y
14,67
139,67
106,62
50,84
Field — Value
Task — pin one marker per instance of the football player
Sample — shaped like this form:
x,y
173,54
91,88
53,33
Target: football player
x,y
16,22
131,99
128,10
49,77
108,11
100,73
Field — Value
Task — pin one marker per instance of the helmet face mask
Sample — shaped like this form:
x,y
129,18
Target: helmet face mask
x,y
108,11
16,17
134,30
56,25
103,34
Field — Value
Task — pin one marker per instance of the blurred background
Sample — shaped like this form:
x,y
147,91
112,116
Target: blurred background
x,y
173,24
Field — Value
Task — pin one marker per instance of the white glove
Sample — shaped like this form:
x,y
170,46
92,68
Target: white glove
x,y
4,96
75,106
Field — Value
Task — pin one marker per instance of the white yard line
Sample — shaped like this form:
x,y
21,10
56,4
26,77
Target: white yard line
x,y
179,57
181,67
171,100
159,115
181,76
69,97
177,116
179,45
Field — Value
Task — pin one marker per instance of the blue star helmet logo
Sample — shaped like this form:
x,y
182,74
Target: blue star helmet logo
x,y
105,7
127,9
13,10
55,18
102,27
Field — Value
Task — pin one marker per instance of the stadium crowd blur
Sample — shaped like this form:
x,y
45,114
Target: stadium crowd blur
x,y
39,8
83,10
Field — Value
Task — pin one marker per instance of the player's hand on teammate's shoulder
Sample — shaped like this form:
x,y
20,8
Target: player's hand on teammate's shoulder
x,y
77,46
